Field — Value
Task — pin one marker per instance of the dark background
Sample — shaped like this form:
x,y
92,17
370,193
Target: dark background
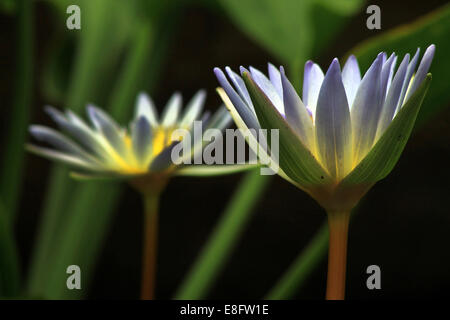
x,y
401,225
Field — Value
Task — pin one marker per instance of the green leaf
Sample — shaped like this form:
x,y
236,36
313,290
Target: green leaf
x,y
86,75
282,27
295,159
224,237
13,151
301,268
382,158
432,28
74,248
291,30
344,7
8,6
59,238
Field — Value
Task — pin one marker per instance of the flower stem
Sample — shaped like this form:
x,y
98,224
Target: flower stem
x,y
337,255
150,245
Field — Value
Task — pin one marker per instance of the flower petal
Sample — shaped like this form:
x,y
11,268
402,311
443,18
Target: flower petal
x,y
366,110
141,136
241,124
193,109
275,78
172,110
295,159
391,74
351,77
251,139
240,87
61,142
392,98
312,81
247,116
221,119
422,70
145,107
381,159
63,157
333,125
163,160
80,131
267,87
386,73
108,128
296,114
407,81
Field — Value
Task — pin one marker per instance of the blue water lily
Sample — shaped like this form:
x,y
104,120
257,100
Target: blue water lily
x,y
346,132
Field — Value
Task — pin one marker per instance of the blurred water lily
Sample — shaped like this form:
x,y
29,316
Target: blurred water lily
x,y
346,133
108,150
141,155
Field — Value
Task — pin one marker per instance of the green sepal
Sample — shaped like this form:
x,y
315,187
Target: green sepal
x,y
381,159
295,159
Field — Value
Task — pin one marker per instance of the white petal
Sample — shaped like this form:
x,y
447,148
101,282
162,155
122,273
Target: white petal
x,y
275,78
267,87
312,81
193,109
351,77
172,110
333,125
145,107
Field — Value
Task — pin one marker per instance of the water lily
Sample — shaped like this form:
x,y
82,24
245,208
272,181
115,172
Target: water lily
x,y
140,155
109,150
344,134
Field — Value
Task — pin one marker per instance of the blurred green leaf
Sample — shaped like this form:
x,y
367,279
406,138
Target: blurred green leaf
x,y
83,233
9,266
291,29
113,23
433,28
8,6
223,238
343,7
282,27
13,152
305,263
83,213
95,32
329,17
87,215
